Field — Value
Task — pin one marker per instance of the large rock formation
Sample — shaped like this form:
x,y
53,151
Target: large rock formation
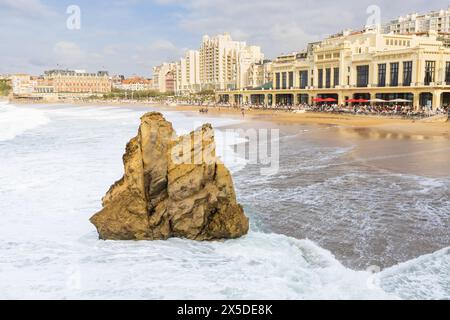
x,y
172,187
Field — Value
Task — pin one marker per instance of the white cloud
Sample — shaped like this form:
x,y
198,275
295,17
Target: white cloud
x,y
282,25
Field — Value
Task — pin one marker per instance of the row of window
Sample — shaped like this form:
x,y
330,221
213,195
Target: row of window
x,y
394,74
285,80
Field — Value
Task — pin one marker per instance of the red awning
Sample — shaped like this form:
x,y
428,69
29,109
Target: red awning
x,y
357,100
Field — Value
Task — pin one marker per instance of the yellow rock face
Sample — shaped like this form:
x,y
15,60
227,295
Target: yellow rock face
x,y
172,187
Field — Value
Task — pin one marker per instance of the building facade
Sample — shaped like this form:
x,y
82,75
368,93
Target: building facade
x,y
361,65
220,63
438,21
22,84
188,73
224,63
161,75
259,74
134,84
79,81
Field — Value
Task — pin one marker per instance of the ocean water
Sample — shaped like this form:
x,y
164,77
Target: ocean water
x,y
58,161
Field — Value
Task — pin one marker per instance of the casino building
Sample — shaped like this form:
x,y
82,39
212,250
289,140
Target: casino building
x,y
366,65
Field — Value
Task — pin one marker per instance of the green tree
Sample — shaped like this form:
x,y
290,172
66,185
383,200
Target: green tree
x,y
5,88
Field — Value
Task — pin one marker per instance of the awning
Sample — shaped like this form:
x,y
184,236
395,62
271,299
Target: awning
x,y
357,100
400,100
324,100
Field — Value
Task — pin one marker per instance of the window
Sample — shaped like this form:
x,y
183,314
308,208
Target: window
x,y
382,75
394,74
362,76
447,73
320,78
328,78
291,80
303,79
336,77
284,81
277,82
407,73
430,68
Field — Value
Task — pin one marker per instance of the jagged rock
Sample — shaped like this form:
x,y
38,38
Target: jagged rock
x,y
172,187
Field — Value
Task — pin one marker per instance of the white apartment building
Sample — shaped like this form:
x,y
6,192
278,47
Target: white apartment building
x,y
438,21
188,73
22,84
224,63
259,74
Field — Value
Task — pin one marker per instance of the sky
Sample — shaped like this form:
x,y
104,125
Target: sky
x,y
131,36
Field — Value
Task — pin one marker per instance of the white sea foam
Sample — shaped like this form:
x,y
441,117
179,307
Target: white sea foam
x,y
15,121
48,248
426,277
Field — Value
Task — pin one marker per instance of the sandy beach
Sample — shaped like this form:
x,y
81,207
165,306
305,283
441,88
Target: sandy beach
x,y
431,127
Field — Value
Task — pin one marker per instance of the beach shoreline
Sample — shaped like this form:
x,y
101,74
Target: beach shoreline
x,y
427,127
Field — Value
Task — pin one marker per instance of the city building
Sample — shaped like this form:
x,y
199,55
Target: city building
x,y
224,63
170,82
134,84
79,81
160,75
358,65
188,73
22,84
220,63
259,74
60,84
438,21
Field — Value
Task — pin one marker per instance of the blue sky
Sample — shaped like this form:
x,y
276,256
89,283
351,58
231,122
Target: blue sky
x,y
130,36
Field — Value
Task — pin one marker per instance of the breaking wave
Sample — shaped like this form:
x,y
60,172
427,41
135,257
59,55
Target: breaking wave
x,y
15,121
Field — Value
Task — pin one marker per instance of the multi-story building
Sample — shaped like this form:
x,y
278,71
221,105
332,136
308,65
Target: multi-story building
x,y
259,74
188,73
221,63
170,82
360,65
160,75
78,81
22,84
134,84
224,63
438,21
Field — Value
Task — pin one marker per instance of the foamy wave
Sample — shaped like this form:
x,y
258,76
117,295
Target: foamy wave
x,y
15,121
427,277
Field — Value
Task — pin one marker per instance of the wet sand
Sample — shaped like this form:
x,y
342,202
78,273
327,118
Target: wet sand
x,y
437,127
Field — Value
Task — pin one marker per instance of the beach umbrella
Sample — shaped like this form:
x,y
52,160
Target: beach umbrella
x,y
318,100
361,100
329,100
377,100
351,100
